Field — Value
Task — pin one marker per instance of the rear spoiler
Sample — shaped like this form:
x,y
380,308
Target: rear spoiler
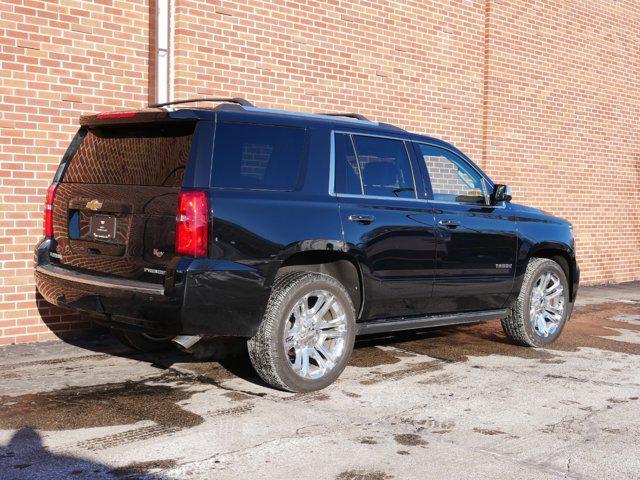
x,y
148,115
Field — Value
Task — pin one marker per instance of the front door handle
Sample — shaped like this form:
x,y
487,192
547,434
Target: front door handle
x,y
366,219
449,223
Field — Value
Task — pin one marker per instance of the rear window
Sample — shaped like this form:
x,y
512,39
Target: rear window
x,y
257,157
132,155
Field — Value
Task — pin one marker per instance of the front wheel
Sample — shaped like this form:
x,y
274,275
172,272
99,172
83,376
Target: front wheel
x,y
543,306
307,333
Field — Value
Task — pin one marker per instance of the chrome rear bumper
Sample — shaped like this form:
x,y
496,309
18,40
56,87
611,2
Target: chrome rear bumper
x,y
124,284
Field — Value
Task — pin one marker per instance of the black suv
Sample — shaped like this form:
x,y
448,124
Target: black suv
x,y
297,231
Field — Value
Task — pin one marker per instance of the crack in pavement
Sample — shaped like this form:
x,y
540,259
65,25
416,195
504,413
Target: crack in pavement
x,y
353,432
541,467
528,373
219,455
298,435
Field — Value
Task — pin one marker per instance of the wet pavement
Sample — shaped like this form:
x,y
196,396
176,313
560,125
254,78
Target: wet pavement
x,y
456,402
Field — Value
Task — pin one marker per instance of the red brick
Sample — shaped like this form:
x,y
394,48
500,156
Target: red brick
x,y
552,110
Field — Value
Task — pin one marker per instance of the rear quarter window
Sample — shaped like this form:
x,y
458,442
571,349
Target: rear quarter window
x,y
257,157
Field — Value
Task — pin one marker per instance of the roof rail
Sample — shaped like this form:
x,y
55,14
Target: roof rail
x,y
239,101
350,115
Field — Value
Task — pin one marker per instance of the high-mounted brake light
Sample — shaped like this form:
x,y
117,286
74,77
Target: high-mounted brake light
x,y
116,115
48,210
192,224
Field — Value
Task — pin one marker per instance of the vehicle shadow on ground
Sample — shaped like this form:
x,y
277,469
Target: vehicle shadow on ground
x,y
216,360
211,361
25,457
229,353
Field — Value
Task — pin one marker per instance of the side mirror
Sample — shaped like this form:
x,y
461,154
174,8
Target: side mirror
x,y
501,193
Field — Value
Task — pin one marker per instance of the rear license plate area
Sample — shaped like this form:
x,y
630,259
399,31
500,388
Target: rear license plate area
x,y
102,228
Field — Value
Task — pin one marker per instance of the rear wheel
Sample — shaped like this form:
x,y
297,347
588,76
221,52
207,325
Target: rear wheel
x,y
307,333
143,342
543,306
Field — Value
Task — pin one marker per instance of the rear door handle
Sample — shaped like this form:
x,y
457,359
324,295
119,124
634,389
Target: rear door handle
x,y
362,218
449,223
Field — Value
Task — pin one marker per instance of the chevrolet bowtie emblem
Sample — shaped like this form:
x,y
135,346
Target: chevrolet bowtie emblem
x,y
94,205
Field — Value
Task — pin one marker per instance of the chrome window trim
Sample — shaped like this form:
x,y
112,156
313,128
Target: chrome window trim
x,y
368,134
406,141
442,202
376,197
424,200
332,156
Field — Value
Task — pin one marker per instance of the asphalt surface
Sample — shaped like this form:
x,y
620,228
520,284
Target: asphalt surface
x,y
457,402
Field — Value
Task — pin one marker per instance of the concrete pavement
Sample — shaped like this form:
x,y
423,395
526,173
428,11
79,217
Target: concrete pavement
x,y
455,402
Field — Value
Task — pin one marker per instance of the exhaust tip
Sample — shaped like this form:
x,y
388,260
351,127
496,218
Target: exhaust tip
x,y
186,342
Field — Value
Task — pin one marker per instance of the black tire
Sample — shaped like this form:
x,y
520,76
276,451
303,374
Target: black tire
x,y
517,325
266,348
143,342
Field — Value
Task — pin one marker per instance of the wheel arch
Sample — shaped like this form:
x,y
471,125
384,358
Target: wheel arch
x,y
339,265
563,257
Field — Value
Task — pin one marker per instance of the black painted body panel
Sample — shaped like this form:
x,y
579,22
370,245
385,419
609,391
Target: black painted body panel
x,y
476,260
539,231
409,266
396,254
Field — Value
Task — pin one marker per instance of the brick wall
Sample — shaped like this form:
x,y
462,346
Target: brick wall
x,y
543,94
418,64
58,59
564,111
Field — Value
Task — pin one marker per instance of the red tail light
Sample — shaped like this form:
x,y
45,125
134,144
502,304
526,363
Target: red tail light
x,y
48,210
192,224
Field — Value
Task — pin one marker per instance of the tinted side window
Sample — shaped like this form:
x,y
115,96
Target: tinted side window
x,y
347,171
385,167
452,179
257,157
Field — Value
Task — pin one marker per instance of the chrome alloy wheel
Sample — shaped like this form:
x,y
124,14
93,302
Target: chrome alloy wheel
x,y
546,304
314,335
